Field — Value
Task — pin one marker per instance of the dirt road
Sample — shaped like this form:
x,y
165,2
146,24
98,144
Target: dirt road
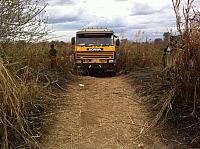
x,y
100,113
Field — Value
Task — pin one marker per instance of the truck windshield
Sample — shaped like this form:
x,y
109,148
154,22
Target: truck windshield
x,y
88,41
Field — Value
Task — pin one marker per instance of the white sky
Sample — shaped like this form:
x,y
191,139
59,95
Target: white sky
x,y
125,17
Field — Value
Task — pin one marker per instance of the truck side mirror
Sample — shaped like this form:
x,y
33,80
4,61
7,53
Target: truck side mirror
x,y
117,42
73,41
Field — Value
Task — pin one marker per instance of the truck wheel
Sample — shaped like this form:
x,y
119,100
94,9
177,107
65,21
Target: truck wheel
x,y
82,72
85,72
113,74
78,72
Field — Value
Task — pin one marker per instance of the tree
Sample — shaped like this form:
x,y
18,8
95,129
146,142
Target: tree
x,y
22,20
166,36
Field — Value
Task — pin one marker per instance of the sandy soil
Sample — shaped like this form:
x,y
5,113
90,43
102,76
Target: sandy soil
x,y
100,113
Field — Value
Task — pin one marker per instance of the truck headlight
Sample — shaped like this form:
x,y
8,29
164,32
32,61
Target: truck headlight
x,y
111,61
78,61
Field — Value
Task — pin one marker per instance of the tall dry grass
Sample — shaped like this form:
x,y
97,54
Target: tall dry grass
x,y
185,74
17,99
179,103
135,55
34,55
176,91
26,79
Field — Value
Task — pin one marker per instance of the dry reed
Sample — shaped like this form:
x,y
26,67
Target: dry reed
x,y
26,81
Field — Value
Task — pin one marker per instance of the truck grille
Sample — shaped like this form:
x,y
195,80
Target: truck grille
x,y
95,54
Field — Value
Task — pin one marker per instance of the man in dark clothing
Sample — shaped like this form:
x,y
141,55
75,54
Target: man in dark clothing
x,y
164,56
52,55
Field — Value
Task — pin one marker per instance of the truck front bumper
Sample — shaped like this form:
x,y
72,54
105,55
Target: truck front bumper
x,y
108,67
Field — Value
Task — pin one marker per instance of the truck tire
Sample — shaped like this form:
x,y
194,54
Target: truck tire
x,y
113,74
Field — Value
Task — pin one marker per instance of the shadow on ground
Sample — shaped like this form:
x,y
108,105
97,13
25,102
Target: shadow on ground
x,y
100,73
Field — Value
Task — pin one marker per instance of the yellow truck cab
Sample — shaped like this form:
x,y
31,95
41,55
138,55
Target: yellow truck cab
x,y
95,48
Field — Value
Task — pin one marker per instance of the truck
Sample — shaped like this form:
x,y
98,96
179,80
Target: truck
x,y
95,48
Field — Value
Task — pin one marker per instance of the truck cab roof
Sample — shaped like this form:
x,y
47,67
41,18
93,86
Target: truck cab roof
x,y
95,31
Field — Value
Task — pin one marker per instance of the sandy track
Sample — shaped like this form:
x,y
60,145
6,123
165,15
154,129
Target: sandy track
x,y
104,113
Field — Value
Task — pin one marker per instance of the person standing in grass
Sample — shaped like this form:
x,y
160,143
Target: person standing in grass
x,y
164,57
53,55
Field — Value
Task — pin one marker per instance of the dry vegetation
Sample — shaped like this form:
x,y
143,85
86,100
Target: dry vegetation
x,y
175,90
135,55
26,80
26,83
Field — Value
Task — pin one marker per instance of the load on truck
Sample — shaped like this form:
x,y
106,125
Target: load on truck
x,y
95,48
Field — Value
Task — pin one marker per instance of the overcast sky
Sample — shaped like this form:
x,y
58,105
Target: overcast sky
x,y
125,17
